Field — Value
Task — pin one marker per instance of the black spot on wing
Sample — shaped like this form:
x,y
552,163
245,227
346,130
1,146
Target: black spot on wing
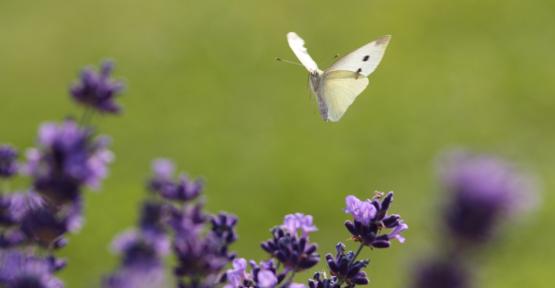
x,y
366,58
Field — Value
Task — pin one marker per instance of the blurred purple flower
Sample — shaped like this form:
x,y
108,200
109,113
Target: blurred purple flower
x,y
370,217
223,226
134,278
21,271
346,268
319,280
299,221
153,218
8,165
68,158
15,205
47,224
162,183
435,273
483,191
141,250
261,276
97,90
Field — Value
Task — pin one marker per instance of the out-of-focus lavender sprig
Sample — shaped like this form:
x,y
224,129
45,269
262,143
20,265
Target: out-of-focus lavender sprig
x,y
199,241
481,193
142,251
97,90
8,161
68,159
19,270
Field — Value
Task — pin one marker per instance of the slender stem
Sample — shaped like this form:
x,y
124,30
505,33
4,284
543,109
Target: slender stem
x,y
352,261
357,253
86,117
290,279
5,186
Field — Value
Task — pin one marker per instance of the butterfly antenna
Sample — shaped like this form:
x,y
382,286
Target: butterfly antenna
x,y
288,61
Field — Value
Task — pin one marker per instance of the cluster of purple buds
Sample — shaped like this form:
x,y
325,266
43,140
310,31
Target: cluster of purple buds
x,y
97,90
173,220
19,270
346,268
8,161
290,243
262,275
370,218
142,251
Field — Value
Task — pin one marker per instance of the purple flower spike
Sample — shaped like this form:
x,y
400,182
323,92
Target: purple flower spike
x,y
295,253
260,276
223,226
67,160
238,274
184,189
483,191
370,218
436,273
98,90
298,221
362,211
8,157
18,270
345,268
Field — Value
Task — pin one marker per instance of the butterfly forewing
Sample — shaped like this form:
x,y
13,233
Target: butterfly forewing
x,y
297,45
365,59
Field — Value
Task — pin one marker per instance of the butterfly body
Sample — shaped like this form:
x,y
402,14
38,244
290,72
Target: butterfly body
x,y
337,87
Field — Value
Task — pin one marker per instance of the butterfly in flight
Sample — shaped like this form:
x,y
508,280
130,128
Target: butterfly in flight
x,y
338,86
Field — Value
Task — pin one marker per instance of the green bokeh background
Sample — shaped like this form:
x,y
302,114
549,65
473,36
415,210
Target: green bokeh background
x,y
203,89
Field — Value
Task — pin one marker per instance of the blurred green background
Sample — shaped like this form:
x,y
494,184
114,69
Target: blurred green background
x,y
203,89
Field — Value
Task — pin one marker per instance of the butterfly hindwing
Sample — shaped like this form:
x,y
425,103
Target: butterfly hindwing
x,y
339,91
365,59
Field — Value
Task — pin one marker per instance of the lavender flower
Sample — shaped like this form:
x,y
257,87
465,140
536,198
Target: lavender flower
x,y
199,257
299,221
484,190
438,273
370,217
223,227
183,189
68,159
346,268
320,280
47,224
8,157
97,90
261,276
292,250
141,250
21,271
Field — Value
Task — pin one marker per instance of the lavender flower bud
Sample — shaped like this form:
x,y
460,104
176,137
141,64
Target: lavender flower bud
x,y
97,90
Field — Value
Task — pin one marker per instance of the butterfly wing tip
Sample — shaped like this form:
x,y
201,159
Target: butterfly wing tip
x,y
383,40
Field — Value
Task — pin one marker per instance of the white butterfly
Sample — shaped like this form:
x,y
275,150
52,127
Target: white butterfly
x,y
338,86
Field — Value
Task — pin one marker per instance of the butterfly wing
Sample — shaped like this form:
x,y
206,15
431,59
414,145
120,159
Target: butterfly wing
x,y
365,59
339,90
297,45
